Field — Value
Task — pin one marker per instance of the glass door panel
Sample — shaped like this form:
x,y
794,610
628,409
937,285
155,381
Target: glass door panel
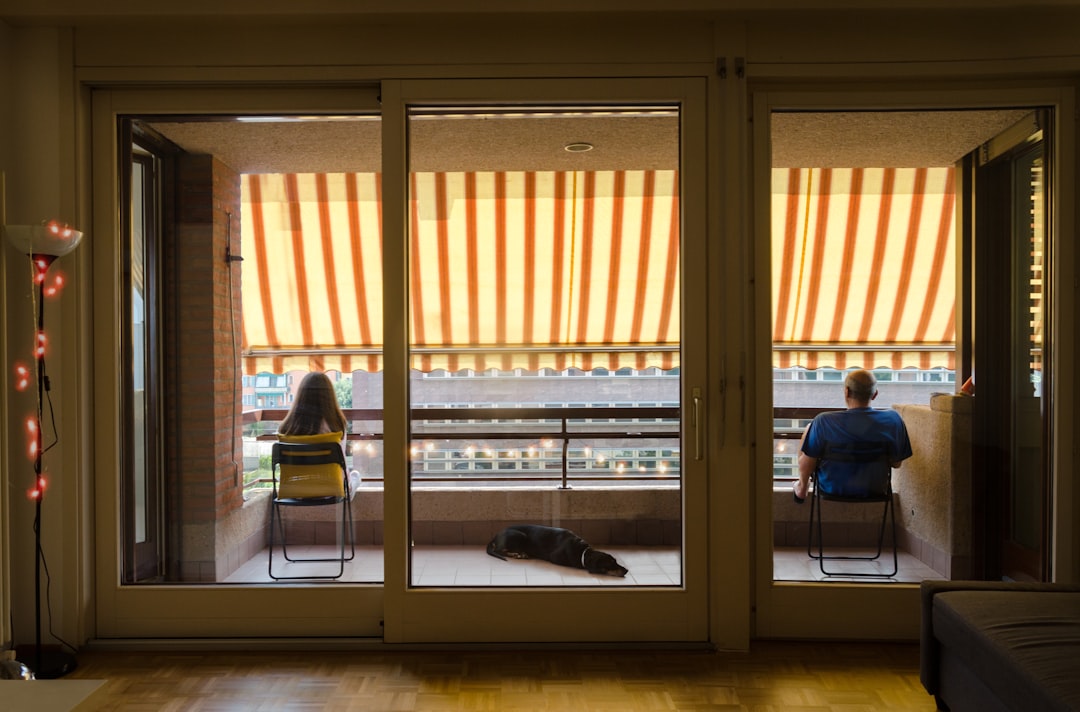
x,y
544,378
547,363
200,208
1027,502
1012,422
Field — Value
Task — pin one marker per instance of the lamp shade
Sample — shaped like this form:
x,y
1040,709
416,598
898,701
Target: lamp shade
x,y
48,238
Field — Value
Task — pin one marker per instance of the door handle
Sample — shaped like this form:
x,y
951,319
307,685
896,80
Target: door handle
x,y
699,428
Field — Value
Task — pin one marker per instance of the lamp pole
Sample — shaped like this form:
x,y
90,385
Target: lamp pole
x,y
41,263
42,244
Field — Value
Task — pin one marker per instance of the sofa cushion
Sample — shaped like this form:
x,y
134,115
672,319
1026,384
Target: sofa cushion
x,y
1024,645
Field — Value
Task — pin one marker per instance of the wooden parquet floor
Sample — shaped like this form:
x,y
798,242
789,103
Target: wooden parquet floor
x,y
810,677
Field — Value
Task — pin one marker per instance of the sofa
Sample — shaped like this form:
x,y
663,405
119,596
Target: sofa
x,y
992,646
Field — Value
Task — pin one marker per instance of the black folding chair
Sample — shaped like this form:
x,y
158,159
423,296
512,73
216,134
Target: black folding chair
x,y
874,476
310,475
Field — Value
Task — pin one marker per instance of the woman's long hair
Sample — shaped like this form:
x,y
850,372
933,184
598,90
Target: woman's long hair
x,y
316,403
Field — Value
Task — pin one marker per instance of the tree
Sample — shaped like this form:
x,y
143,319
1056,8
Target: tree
x,y
343,389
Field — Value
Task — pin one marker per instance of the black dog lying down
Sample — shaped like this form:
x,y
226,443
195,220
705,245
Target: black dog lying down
x,y
559,546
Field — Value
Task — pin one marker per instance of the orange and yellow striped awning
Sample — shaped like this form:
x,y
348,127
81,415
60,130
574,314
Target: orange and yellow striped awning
x,y
507,270
863,267
558,269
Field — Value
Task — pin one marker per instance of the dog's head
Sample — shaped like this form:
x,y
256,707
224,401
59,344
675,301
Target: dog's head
x,y
599,562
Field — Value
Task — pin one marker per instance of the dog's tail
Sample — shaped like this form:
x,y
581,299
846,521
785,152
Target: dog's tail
x,y
493,551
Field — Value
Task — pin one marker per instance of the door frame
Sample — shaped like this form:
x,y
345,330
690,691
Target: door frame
x,y
419,615
994,443
842,610
179,611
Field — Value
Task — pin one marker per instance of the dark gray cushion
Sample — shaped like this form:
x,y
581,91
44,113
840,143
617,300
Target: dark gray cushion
x,y
1024,645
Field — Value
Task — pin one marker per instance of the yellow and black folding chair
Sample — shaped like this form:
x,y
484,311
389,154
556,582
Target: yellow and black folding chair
x,y
309,471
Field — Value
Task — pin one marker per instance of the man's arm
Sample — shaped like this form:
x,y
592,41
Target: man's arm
x,y
807,464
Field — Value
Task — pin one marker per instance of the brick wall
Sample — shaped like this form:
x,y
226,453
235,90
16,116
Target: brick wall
x,y
201,363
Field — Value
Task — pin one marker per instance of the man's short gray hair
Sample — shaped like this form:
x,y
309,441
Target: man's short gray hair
x,y
861,384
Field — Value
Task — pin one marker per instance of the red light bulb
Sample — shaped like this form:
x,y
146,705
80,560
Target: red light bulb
x,y
41,267
34,437
22,377
41,340
53,289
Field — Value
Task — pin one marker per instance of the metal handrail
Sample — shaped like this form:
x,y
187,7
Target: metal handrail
x,y
565,430
559,428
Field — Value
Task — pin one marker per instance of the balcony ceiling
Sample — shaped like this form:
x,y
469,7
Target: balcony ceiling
x,y
824,139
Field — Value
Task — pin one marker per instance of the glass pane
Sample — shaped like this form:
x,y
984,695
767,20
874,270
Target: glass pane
x,y
863,276
544,336
1029,314
299,291
140,188
141,485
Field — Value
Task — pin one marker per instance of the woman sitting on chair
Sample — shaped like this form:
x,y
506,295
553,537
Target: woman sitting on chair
x,y
315,410
316,417
309,469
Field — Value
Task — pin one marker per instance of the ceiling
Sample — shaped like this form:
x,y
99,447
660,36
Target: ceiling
x,y
641,139
37,11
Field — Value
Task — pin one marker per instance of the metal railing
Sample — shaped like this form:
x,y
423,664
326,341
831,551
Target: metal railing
x,y
477,429
480,428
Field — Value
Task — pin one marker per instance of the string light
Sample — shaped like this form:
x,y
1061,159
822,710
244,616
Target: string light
x,y
22,377
42,266
54,289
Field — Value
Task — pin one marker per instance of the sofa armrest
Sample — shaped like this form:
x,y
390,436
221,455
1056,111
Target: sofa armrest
x,y
929,659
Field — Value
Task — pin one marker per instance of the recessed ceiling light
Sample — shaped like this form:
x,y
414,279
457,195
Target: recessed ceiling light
x,y
578,147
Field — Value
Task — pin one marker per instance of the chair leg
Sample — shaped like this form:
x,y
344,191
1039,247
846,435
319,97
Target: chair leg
x,y
284,539
275,522
352,531
346,521
888,513
270,558
895,543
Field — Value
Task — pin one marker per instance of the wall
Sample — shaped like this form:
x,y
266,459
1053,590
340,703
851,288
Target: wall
x,y
204,473
6,70
934,486
39,161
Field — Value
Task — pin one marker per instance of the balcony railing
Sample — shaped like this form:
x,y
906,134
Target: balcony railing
x,y
526,445
523,445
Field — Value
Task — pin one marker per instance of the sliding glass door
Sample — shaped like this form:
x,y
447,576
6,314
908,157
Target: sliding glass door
x,y
553,470
524,255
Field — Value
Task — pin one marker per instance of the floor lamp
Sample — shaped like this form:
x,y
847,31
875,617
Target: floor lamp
x,y
42,244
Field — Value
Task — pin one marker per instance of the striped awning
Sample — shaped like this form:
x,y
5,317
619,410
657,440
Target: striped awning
x,y
559,269
507,270
311,283
863,267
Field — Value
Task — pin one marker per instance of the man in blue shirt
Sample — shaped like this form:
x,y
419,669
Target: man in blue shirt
x,y
849,430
